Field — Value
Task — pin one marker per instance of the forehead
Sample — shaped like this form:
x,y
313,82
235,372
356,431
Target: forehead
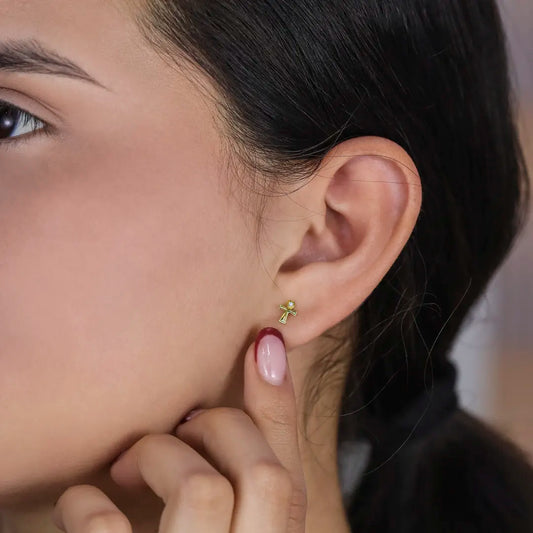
x,y
65,20
99,35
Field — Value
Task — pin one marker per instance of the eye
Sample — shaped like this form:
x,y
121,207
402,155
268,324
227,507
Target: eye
x,y
16,123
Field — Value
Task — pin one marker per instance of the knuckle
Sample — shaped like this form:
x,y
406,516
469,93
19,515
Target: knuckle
x,y
298,508
222,416
107,522
207,489
219,419
73,493
152,439
227,411
271,481
150,445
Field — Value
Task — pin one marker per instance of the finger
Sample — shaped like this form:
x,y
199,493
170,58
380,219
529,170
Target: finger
x,y
237,449
273,409
83,508
197,497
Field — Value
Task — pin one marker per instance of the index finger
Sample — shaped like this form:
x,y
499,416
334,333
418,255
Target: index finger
x,y
272,407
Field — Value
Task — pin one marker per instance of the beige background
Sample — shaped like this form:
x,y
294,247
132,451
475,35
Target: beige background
x,y
495,351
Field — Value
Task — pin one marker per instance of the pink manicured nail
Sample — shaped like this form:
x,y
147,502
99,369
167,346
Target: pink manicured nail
x,y
270,355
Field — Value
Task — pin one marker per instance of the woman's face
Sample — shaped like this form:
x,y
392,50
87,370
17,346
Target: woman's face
x,y
128,274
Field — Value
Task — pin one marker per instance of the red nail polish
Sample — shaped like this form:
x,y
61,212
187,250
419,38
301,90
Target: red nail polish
x,y
267,331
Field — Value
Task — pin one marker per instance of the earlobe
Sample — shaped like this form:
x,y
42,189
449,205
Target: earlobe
x,y
367,202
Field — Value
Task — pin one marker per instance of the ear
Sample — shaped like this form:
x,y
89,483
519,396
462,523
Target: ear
x,y
339,234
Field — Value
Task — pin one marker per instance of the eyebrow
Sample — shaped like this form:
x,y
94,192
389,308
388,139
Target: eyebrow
x,y
29,55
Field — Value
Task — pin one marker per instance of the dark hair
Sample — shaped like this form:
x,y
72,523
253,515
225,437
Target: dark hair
x,y
292,79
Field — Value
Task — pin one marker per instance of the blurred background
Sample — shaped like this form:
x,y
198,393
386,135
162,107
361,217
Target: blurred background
x,y
494,352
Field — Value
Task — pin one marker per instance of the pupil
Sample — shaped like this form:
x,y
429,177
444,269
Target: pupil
x,y
8,120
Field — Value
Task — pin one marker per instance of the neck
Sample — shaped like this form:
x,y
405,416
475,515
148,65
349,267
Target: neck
x,y
318,445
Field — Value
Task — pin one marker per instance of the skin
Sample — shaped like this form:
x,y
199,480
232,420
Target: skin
x,y
131,293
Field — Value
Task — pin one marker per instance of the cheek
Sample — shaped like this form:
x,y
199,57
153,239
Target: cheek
x,y
115,282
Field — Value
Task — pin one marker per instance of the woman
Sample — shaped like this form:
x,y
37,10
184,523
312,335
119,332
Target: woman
x,y
188,183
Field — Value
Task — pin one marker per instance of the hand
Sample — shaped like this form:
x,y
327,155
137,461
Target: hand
x,y
225,470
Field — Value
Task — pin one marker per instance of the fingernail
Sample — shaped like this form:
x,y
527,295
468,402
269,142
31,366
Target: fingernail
x,y
192,413
270,355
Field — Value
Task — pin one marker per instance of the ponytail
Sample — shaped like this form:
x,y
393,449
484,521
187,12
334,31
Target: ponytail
x,y
463,477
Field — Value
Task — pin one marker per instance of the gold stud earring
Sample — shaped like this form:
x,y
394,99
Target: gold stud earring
x,y
289,309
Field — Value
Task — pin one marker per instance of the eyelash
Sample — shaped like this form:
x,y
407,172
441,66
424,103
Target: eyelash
x,y
23,118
